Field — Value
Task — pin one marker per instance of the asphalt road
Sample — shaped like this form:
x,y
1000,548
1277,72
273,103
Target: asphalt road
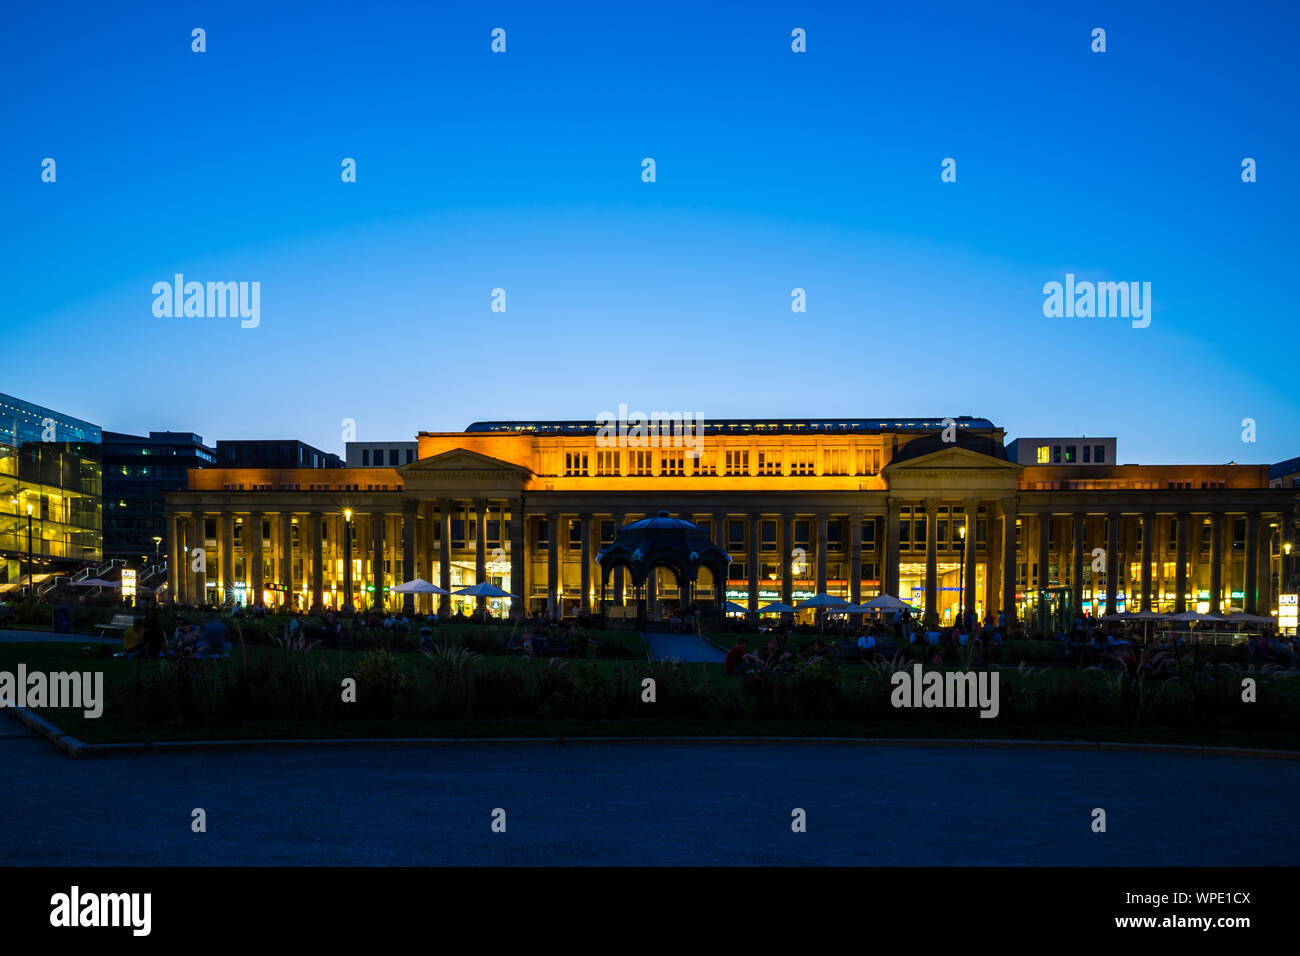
x,y
643,804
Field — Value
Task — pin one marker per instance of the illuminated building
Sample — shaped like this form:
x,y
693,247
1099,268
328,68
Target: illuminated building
x,y
847,507
50,484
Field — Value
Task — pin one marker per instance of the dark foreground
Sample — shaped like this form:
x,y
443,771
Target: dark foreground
x,y
645,804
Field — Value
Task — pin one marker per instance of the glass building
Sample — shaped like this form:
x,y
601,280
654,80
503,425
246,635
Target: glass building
x,y
50,493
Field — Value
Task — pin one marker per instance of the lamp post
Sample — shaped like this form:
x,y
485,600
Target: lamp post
x,y
347,559
29,549
961,590
157,543
1286,567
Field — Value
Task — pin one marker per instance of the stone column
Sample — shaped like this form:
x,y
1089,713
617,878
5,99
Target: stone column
x,y
720,539
1009,560
227,528
1216,562
175,558
1251,602
584,525
317,568
855,559
444,557
553,610
377,558
348,533
1076,564
480,552
931,558
408,551
518,560
822,522
253,553
198,578
889,572
972,533
1180,575
753,544
616,577
1148,532
286,558
1044,551
1113,563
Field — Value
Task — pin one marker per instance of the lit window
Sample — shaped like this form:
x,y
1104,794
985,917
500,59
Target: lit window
x,y
1044,454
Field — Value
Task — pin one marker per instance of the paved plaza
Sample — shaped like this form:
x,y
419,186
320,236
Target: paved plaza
x,y
643,804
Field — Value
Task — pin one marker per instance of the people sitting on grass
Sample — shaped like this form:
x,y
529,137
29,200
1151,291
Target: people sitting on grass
x,y
867,647
739,661
133,639
213,640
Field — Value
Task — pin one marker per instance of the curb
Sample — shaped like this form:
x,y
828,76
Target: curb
x,y
65,742
76,748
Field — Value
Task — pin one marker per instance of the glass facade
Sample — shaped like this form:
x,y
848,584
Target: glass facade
x,y
50,492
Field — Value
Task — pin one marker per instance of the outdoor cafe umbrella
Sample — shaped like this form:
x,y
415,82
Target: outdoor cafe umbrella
x,y
776,607
484,589
418,586
731,607
94,583
1241,617
1195,617
887,602
822,600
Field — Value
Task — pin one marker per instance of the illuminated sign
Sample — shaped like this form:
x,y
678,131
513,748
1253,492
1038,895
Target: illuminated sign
x,y
1288,617
128,583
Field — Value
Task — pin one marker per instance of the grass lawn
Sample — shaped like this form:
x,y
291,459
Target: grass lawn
x,y
120,679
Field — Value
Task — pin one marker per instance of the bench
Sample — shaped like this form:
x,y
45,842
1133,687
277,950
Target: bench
x,y
120,622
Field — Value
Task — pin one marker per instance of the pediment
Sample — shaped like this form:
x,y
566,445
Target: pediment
x,y
462,463
953,471
954,457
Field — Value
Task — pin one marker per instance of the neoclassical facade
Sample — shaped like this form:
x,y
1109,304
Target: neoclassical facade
x,y
926,510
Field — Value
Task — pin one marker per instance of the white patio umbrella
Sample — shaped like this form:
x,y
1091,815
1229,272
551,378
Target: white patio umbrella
x,y
484,589
731,607
776,607
94,583
887,602
418,586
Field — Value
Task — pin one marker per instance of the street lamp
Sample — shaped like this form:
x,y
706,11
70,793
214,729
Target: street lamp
x,y
157,542
347,559
961,590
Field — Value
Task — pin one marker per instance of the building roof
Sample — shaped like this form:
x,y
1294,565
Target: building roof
x,y
751,425
1284,468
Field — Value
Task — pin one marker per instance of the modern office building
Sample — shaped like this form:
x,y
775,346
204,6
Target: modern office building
x,y
368,454
261,453
1285,474
50,484
1062,451
847,507
138,469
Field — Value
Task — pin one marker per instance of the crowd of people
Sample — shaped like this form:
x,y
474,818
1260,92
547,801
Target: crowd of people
x,y
144,637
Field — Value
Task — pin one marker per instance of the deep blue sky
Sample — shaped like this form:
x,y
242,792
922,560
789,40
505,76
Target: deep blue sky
x,y
775,170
